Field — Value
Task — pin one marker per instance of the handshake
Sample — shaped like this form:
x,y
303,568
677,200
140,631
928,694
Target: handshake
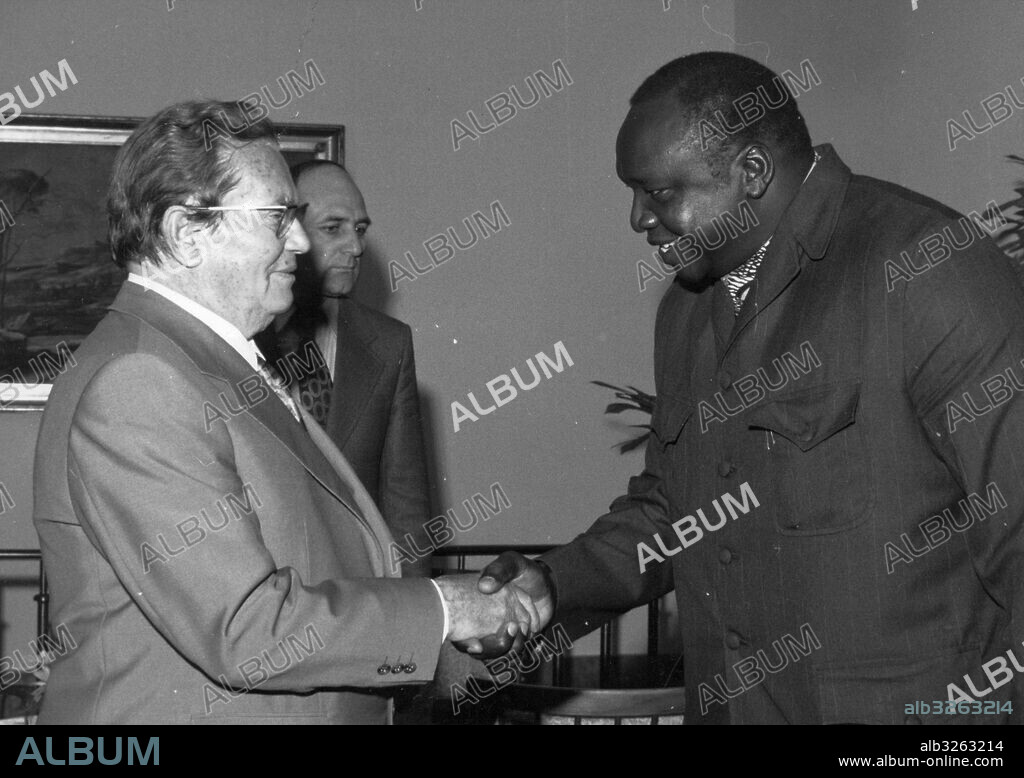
x,y
512,600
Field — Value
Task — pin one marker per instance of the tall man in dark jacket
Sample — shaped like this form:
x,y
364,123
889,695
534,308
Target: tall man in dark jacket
x,y
832,486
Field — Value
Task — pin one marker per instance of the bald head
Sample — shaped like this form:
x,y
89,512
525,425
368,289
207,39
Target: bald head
x,y
336,222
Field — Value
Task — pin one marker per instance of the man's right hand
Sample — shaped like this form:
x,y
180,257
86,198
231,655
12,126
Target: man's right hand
x,y
524,576
505,617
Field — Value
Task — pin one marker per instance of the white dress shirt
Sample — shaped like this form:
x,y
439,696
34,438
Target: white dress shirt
x,y
327,336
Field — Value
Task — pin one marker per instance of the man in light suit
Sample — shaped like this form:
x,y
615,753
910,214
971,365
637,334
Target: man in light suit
x,y
354,365
210,551
832,484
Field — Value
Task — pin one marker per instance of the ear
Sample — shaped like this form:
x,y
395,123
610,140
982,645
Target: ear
x,y
184,237
758,170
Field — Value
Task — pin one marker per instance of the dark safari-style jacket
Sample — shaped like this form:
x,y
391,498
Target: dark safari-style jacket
x,y
833,481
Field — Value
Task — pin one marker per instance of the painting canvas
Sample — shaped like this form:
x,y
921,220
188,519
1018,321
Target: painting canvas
x,y
56,273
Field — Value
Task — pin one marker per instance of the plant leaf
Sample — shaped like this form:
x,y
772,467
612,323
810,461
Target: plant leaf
x,y
620,407
635,400
635,443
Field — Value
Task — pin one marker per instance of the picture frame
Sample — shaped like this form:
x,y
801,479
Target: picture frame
x,y
56,275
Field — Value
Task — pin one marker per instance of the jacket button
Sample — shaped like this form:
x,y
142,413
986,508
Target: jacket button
x,y
396,669
725,556
410,668
383,670
725,379
732,640
725,469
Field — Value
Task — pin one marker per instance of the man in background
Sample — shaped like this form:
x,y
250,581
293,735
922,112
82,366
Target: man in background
x,y
362,387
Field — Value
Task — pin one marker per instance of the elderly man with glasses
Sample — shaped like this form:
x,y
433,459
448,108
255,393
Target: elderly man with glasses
x,y
209,549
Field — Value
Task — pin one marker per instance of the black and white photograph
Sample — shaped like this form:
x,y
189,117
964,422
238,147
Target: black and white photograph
x,y
512,363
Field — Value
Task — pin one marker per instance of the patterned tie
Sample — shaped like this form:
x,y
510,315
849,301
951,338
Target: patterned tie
x,y
739,281
315,385
274,382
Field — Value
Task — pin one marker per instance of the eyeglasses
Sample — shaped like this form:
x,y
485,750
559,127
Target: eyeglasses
x,y
287,213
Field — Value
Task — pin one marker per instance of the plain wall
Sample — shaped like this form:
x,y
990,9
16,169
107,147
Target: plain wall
x,y
563,270
891,79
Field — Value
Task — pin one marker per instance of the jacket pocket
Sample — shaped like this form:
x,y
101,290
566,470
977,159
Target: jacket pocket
x,y
817,460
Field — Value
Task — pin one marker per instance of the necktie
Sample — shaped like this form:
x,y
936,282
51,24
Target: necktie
x,y
274,382
739,281
315,386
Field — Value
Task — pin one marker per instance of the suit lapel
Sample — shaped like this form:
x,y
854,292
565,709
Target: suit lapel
x,y
688,334
723,318
220,362
780,266
376,535
357,371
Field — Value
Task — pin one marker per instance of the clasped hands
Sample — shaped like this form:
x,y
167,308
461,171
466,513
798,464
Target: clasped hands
x,y
511,601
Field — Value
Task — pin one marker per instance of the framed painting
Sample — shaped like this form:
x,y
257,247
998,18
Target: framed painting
x,y
56,273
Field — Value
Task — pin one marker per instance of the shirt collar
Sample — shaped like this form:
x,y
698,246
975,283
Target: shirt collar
x,y
225,329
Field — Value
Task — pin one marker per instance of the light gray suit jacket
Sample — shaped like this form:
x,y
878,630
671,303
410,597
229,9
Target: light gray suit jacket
x,y
208,560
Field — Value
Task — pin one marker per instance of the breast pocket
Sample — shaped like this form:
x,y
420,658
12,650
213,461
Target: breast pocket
x,y
816,459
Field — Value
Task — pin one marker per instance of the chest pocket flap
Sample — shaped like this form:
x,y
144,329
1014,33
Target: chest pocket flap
x,y
811,416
